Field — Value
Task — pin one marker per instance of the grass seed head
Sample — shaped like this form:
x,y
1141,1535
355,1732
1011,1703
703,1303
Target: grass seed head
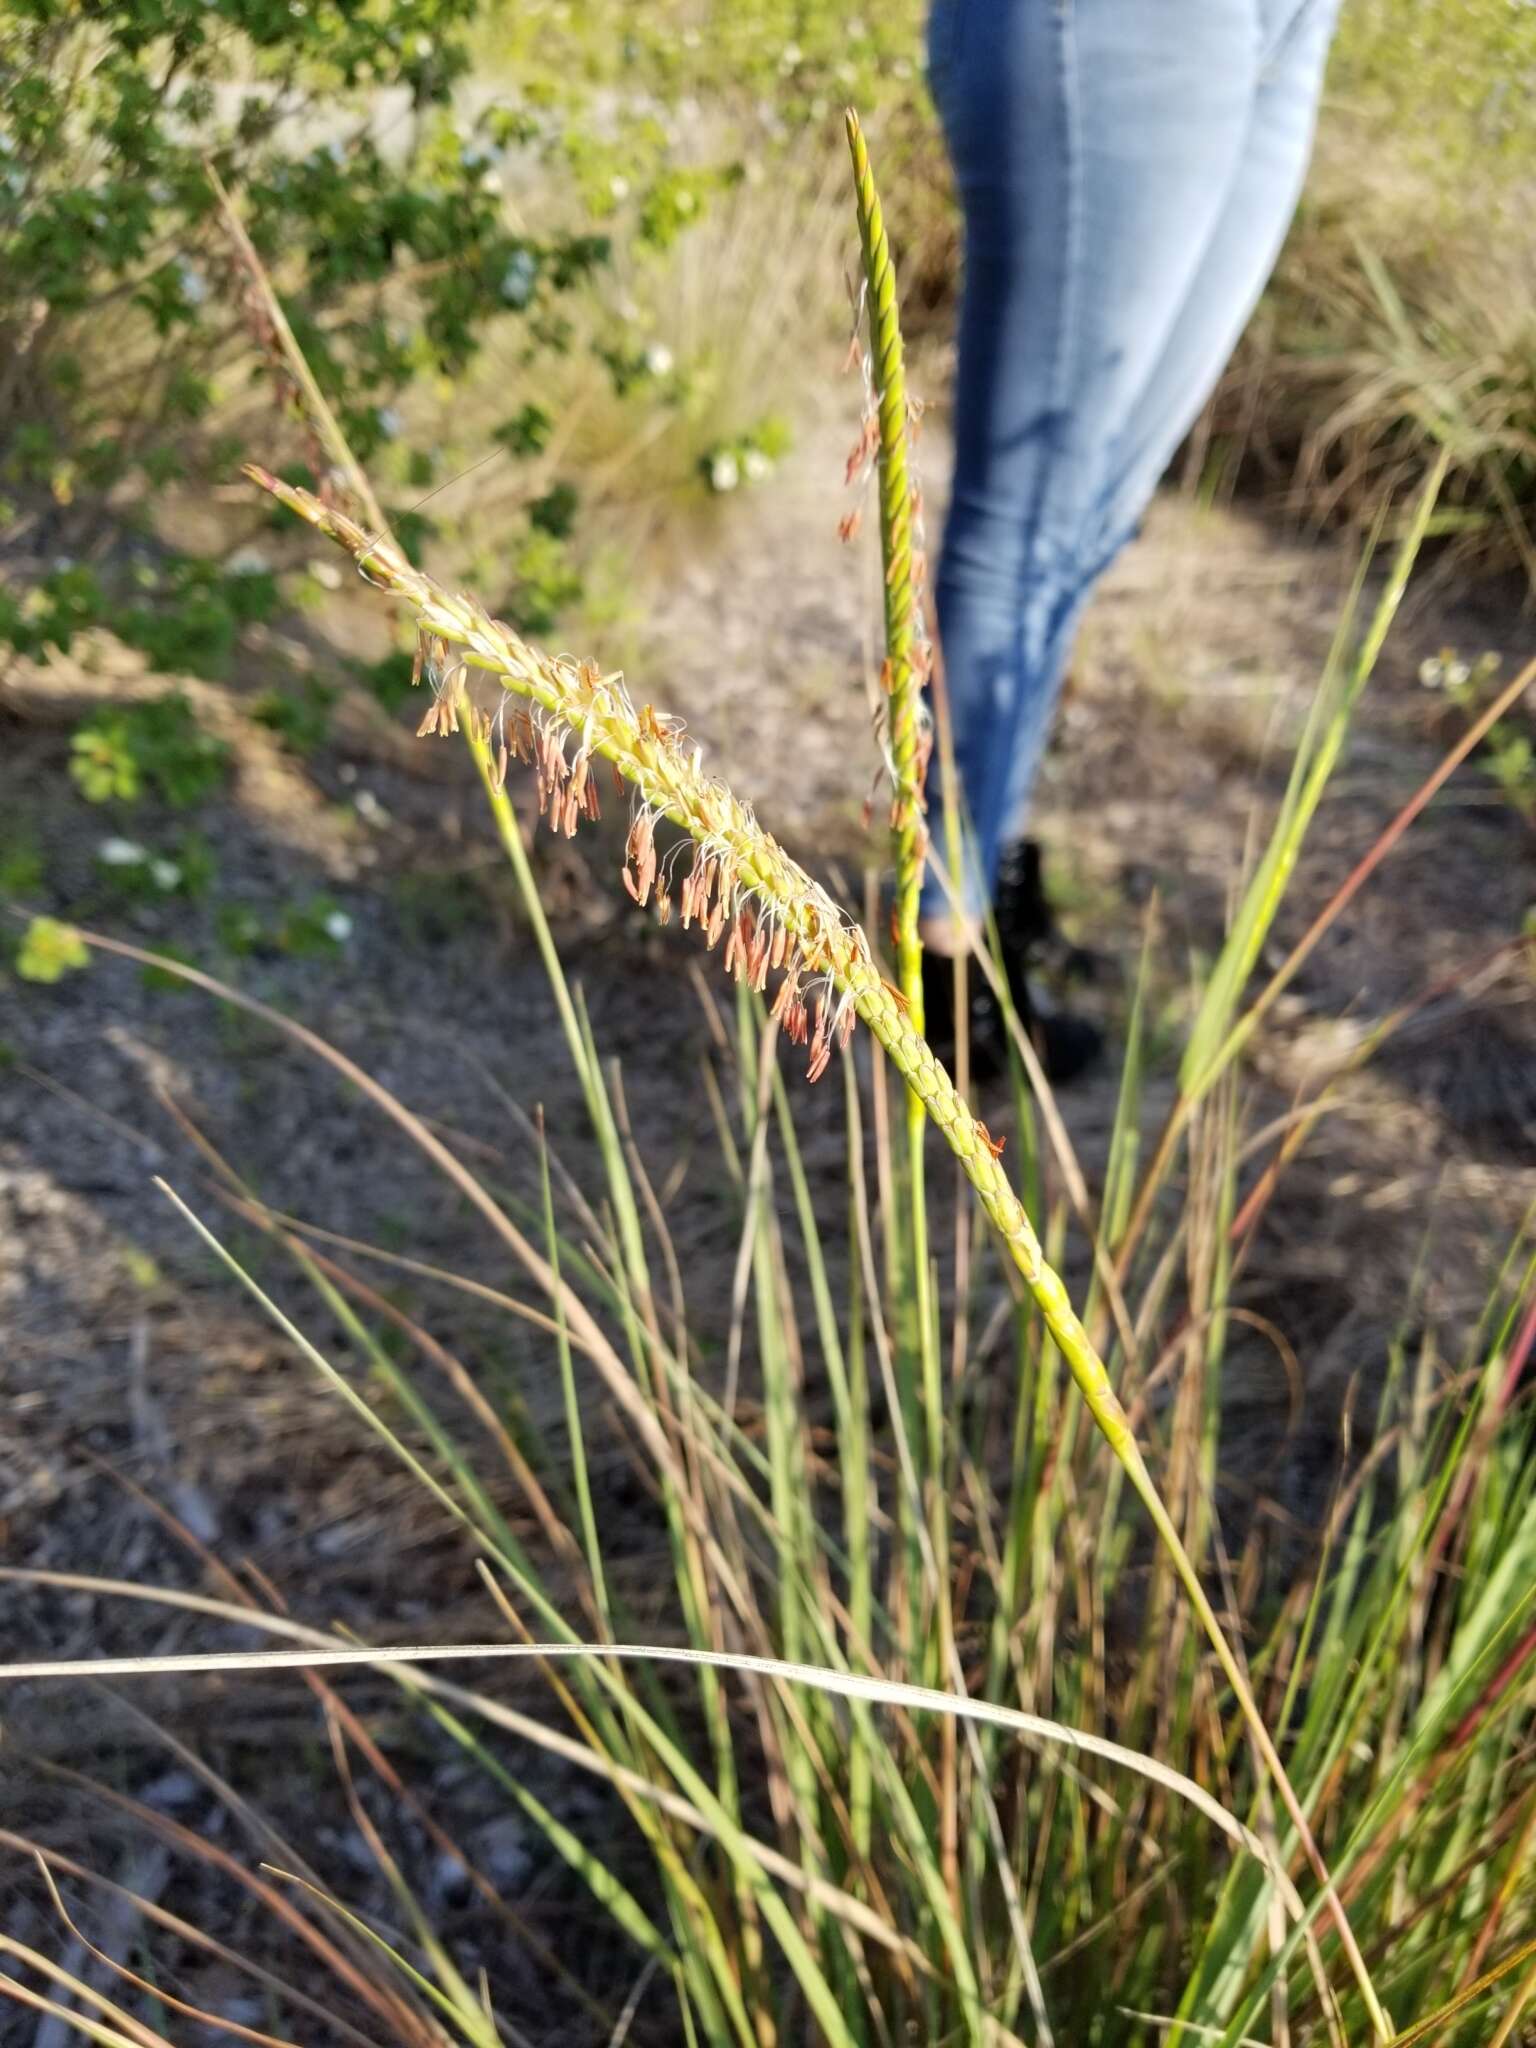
x,y
566,714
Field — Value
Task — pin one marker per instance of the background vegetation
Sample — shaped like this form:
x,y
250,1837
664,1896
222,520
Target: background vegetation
x,y
553,271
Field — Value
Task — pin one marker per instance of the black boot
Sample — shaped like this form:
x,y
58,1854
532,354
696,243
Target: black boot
x,y
1067,1045
1026,923
1026,930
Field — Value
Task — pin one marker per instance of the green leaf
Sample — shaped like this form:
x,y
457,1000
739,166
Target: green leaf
x,y
50,950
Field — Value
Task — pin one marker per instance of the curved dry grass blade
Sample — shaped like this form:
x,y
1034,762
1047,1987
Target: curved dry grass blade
x,y
194,1936
212,2020
841,1684
571,1751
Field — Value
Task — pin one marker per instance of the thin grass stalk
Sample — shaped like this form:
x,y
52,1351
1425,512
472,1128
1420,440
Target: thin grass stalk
x,y
275,334
789,1484
901,681
858,1479
574,1432
902,675
1215,1039
851,1413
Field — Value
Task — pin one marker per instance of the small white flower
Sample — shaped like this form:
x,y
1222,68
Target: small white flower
x,y
369,809
618,185
247,561
1432,672
790,56
390,422
194,286
756,465
658,359
165,874
338,926
423,46
62,564
121,853
724,473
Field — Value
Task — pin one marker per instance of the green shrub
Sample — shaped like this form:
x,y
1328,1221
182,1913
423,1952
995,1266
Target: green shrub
x,y
117,754
300,717
317,928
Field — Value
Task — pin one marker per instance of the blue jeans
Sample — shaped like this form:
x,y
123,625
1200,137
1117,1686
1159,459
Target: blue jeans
x,y
1127,171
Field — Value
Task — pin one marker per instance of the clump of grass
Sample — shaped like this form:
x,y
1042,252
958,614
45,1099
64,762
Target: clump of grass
x,y
1397,324
1368,364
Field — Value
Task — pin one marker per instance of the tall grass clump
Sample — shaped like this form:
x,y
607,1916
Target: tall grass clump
x,y
1398,325
967,1711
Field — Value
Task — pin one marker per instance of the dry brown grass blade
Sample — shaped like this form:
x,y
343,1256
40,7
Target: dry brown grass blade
x,y
160,1992
187,1931
401,2021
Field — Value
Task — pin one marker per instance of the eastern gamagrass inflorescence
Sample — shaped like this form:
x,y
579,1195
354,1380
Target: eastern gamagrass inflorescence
x,y
563,715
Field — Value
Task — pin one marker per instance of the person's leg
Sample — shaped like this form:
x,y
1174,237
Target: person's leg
x,y
1095,143
1237,262
1221,295
1233,269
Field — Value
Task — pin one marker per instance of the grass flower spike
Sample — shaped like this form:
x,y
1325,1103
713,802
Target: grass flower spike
x,y
885,446
561,716
741,886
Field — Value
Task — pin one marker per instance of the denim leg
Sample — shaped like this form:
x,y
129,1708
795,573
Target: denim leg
x,y
1234,268
1097,147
